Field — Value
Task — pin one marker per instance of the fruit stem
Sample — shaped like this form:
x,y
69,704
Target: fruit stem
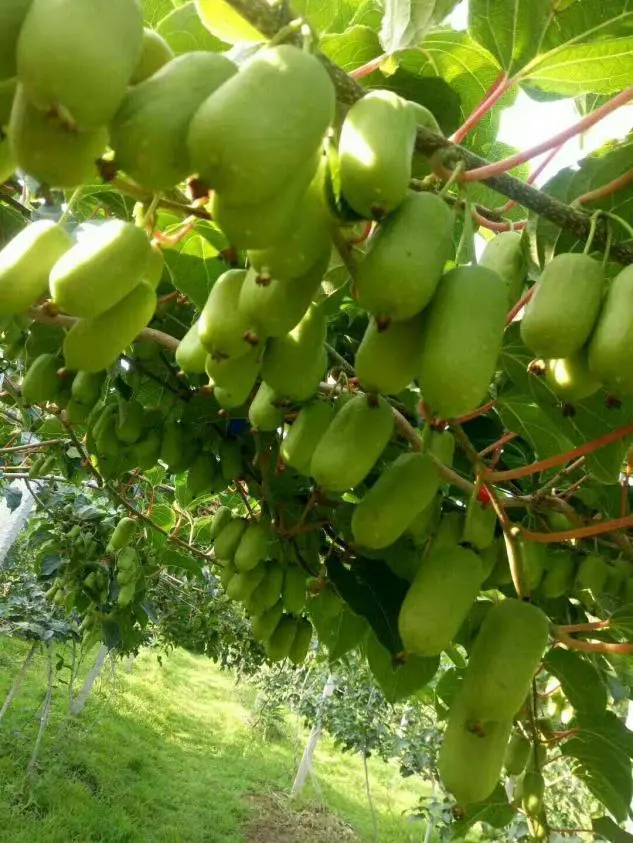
x,y
581,125
533,176
474,414
592,233
494,93
559,459
584,627
609,647
518,307
498,445
494,225
368,67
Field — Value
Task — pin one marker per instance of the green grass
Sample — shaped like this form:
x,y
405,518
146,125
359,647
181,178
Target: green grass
x,y
167,755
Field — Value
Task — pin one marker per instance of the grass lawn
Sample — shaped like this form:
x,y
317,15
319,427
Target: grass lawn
x,y
166,755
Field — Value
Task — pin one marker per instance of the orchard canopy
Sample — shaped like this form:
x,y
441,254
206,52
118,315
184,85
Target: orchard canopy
x,y
272,285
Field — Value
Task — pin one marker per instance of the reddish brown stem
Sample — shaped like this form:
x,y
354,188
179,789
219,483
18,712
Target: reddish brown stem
x,y
582,125
533,177
518,307
369,67
474,414
492,96
493,225
580,532
584,627
608,647
606,190
507,437
559,459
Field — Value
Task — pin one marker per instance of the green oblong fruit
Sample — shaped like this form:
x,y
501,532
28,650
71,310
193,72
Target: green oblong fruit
x,y
253,547
533,790
591,579
387,359
102,268
228,539
444,589
77,56
450,530
480,523
265,623
257,226
293,595
294,364
570,378
561,314
265,413
221,518
230,454
280,642
25,263
406,257
51,151
304,434
266,595
471,759
75,412
94,344
507,651
352,444
610,351
233,379
86,387
121,535
559,574
155,53
222,328
41,382
244,583
424,117
12,16
301,643
201,477
149,130
505,255
375,151
462,337
8,88
517,753
304,244
191,355
274,306
235,142
403,490
130,420
533,557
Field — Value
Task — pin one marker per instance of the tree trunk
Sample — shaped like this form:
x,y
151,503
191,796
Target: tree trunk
x,y
18,680
305,766
78,704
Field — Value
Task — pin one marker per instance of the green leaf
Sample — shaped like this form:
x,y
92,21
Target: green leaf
x,y
155,10
580,681
326,15
495,811
586,48
621,621
352,48
193,267
521,414
608,830
171,558
604,766
339,634
163,516
398,680
510,29
405,23
184,32
375,593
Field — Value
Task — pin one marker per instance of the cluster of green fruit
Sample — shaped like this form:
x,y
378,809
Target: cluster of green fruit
x,y
128,565
271,587
106,276
580,328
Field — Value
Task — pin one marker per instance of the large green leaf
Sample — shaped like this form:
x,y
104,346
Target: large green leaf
x,y
469,69
326,15
580,681
608,830
375,593
352,48
398,680
184,32
194,266
510,29
605,767
586,48
495,811
339,634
